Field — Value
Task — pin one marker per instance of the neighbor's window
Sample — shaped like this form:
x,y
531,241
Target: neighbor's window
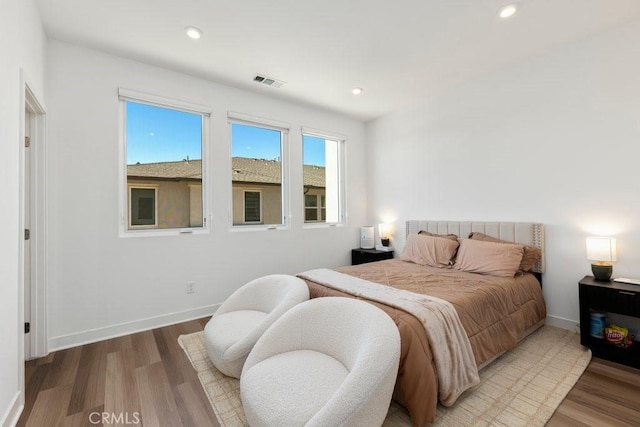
x,y
314,211
257,166
323,178
143,207
163,146
252,207
311,207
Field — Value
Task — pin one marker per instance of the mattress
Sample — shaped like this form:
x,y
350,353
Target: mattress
x,y
495,312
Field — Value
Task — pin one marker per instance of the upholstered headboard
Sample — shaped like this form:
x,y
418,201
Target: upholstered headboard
x,y
525,233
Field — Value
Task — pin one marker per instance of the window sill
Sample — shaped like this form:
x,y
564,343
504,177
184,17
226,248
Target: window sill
x,y
147,232
311,225
257,227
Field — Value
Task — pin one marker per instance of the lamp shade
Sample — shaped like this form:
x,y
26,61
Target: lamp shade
x,y
601,249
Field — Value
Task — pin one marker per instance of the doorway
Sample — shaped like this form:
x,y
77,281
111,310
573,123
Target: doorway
x,y
28,196
33,202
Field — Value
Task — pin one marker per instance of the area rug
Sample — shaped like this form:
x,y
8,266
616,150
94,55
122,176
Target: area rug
x,y
521,388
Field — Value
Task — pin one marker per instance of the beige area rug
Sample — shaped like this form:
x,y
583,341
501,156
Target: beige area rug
x,y
521,388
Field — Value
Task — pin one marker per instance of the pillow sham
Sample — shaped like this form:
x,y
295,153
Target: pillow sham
x,y
446,236
492,258
530,256
429,250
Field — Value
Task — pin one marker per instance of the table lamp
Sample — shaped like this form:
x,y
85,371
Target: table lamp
x,y
602,252
383,232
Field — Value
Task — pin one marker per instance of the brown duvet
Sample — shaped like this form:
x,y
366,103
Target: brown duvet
x,y
495,312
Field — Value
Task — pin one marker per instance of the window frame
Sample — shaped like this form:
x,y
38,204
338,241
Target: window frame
x,y
342,178
125,229
234,117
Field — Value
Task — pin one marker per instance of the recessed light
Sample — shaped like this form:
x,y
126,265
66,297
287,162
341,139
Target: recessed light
x,y
193,32
508,11
357,91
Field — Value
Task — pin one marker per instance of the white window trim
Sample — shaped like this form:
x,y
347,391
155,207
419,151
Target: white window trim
x,y
283,128
123,186
342,178
155,201
247,119
160,101
244,207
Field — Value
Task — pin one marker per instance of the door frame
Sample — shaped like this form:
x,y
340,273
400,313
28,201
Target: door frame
x,y
38,209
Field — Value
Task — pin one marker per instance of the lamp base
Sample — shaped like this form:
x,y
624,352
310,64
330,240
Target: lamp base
x,y
385,242
602,273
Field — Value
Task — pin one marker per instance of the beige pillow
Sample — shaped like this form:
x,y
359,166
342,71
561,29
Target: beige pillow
x,y
495,259
429,250
529,258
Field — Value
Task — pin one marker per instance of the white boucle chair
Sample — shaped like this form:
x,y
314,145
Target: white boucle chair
x,y
236,326
327,362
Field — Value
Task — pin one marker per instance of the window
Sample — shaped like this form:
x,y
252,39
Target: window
x,y
323,183
252,207
310,207
258,188
314,212
163,169
143,206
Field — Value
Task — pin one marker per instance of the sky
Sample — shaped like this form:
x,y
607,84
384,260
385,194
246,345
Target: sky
x,y
258,143
156,134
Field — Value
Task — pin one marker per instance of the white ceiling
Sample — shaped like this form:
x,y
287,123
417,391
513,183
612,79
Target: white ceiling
x,y
399,51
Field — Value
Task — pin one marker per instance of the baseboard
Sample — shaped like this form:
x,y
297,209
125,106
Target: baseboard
x,y
561,322
108,332
12,414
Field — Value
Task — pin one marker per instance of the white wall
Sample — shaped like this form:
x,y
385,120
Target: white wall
x,y
22,44
101,284
555,140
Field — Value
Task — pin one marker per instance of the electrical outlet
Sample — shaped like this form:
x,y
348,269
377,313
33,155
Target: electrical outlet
x,y
191,287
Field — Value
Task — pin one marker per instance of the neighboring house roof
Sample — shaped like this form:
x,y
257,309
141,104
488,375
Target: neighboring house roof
x,y
191,169
244,170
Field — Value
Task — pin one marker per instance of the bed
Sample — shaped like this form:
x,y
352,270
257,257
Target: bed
x,y
495,312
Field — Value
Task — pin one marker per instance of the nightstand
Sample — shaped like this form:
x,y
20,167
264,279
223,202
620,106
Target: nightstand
x,y
608,297
362,256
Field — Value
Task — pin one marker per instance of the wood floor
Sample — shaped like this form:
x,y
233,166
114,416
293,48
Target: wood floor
x,y
607,394
140,379
146,379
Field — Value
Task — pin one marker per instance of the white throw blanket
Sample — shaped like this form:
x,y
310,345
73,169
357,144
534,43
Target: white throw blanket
x,y
455,364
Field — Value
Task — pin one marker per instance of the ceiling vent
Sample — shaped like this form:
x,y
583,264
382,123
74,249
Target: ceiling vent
x,y
268,81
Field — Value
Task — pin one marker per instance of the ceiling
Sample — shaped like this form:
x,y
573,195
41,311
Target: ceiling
x,y
399,51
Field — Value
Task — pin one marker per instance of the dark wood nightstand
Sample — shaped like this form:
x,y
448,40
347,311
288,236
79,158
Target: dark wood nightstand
x,y
608,297
362,256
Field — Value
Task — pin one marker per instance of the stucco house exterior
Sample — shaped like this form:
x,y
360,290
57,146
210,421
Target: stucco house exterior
x,y
169,194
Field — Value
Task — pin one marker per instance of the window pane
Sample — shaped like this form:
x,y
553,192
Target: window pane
x,y
251,206
311,214
164,149
311,201
256,161
321,176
